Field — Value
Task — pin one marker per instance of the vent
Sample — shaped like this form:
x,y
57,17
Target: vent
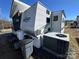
x,y
61,35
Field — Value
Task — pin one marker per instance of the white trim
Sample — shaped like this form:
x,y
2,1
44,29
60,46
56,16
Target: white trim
x,y
21,3
17,2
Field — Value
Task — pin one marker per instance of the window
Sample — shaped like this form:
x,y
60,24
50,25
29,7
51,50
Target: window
x,y
26,19
55,18
48,20
47,11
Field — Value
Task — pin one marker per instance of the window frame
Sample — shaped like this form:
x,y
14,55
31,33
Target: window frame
x,y
55,18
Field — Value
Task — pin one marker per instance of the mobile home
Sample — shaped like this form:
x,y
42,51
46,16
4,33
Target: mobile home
x,y
40,23
36,19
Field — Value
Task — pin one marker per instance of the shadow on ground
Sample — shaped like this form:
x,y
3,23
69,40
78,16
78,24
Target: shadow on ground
x,y
6,51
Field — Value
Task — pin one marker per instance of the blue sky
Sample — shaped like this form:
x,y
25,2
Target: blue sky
x,y
71,7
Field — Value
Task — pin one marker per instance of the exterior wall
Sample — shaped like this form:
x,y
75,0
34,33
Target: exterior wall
x,y
41,15
48,25
28,24
57,26
62,23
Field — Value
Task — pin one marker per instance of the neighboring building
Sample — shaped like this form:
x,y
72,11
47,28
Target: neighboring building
x,y
5,24
70,23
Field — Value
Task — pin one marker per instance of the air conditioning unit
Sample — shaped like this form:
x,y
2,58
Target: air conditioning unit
x,y
56,43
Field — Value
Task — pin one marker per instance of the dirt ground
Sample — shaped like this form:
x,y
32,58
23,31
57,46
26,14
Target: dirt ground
x,y
74,41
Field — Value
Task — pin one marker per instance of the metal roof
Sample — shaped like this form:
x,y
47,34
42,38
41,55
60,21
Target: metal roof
x,y
16,4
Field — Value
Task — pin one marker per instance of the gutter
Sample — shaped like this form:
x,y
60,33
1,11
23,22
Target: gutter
x,y
11,8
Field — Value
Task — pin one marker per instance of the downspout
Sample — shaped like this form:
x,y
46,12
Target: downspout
x,y
60,21
51,19
11,8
